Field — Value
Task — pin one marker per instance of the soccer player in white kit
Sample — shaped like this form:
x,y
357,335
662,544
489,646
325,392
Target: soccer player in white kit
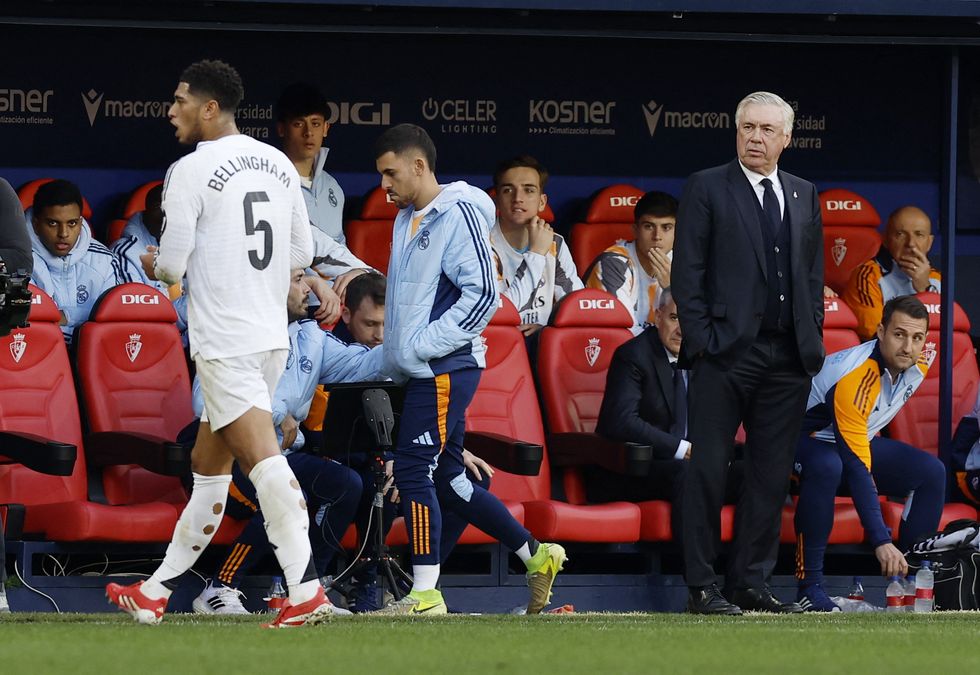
x,y
235,224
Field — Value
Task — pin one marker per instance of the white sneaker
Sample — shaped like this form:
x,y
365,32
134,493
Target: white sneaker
x,y
219,600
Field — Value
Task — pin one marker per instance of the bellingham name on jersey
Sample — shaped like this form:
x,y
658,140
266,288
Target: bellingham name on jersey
x,y
235,165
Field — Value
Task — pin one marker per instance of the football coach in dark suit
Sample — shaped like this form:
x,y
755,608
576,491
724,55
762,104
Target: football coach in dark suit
x,y
646,402
747,277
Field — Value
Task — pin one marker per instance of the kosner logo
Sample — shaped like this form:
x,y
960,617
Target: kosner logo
x,y
654,112
93,101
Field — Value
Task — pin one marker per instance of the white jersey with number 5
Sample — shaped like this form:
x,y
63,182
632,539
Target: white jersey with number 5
x,y
235,223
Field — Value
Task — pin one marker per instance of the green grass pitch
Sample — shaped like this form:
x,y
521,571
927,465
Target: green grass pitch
x,y
585,643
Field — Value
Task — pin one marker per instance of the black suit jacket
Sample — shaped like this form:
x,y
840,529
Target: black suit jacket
x,y
15,243
638,405
718,277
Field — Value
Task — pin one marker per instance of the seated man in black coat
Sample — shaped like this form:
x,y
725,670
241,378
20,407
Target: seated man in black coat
x,y
646,402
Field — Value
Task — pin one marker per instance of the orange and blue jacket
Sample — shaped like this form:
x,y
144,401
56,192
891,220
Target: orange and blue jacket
x,y
852,398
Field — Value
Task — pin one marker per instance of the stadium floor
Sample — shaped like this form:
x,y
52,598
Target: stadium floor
x,y
584,643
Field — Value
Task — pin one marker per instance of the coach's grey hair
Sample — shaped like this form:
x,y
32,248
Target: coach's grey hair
x,y
665,297
767,98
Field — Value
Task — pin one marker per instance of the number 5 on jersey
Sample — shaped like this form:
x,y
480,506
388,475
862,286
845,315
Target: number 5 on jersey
x,y
263,226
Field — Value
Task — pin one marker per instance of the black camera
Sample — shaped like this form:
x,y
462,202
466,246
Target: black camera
x,y
15,300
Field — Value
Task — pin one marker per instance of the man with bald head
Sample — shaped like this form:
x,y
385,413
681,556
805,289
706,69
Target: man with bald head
x,y
900,268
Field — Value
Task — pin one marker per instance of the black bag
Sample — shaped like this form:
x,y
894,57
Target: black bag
x,y
956,568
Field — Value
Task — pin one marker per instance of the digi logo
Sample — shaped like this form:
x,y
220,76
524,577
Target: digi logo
x,y
589,304
843,205
141,299
623,201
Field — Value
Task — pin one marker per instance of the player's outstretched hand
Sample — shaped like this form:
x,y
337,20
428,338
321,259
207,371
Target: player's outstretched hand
x,y
476,465
892,561
147,261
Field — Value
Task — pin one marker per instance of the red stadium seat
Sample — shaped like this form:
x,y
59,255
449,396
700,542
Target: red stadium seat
x,y
839,326
114,230
547,215
850,234
38,397
608,219
137,199
27,191
574,355
369,237
134,380
918,422
950,513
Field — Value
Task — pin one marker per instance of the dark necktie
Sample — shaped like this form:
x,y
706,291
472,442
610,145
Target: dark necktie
x,y
771,207
679,426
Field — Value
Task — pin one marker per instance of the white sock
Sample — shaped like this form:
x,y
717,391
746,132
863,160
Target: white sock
x,y
287,523
424,577
194,531
524,552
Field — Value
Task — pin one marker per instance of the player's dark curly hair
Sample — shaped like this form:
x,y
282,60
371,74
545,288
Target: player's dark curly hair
x,y
213,79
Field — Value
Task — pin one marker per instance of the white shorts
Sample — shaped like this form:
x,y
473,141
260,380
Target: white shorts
x,y
233,385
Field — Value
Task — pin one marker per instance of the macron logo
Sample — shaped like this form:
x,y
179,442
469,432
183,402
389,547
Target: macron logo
x,y
424,439
92,100
652,112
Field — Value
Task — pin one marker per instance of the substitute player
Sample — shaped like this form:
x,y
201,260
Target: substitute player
x,y
853,397
235,223
441,295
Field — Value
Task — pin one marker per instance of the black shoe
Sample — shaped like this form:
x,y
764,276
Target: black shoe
x,y
762,600
709,600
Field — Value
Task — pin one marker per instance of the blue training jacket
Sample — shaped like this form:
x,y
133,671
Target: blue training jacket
x,y
442,288
75,281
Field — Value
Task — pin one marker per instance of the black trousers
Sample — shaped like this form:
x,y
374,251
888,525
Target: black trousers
x,y
766,391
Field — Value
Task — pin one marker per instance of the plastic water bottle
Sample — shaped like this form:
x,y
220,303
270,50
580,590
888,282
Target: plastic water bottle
x,y
924,581
909,585
277,595
895,596
857,590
